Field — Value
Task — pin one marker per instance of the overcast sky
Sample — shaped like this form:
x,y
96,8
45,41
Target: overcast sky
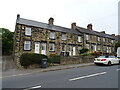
x,y
103,14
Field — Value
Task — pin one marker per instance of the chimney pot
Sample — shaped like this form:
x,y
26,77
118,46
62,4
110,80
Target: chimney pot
x,y
18,16
51,21
73,25
89,26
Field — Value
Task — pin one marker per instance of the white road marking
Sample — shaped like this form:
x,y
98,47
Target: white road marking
x,y
16,75
87,76
117,69
35,87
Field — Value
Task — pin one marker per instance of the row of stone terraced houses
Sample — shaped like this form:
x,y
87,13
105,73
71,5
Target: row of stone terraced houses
x,y
47,38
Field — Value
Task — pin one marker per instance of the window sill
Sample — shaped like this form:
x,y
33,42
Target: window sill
x,y
27,50
51,51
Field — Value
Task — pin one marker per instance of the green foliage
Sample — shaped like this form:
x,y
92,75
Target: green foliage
x,y
7,41
27,59
117,45
84,50
54,59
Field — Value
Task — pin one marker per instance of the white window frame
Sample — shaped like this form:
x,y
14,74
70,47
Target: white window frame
x,y
64,37
52,35
28,31
53,46
87,37
79,38
27,45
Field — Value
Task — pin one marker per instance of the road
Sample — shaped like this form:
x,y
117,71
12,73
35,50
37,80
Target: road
x,y
82,77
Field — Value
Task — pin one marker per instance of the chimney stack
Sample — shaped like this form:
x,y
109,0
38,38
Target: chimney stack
x,y
103,32
51,21
113,34
89,26
73,25
18,16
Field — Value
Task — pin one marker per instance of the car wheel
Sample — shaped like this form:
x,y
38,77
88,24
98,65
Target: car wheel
x,y
109,63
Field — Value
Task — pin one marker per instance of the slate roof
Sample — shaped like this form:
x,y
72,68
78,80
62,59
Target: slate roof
x,y
46,26
92,32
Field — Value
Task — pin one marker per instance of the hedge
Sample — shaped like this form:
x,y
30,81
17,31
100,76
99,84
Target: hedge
x,y
54,59
27,59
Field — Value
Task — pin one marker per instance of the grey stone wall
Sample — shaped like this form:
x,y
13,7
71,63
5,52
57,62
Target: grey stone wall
x,y
76,60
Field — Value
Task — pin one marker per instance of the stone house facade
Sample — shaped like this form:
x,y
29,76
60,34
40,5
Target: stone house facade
x,y
47,38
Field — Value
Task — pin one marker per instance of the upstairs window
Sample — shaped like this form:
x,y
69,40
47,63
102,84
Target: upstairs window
x,y
52,35
98,38
28,31
64,37
79,39
27,45
103,39
112,41
87,37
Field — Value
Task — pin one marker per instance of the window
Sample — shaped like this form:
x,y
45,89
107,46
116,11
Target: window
x,y
103,39
52,35
28,31
79,39
98,38
104,48
112,41
69,48
79,48
93,47
87,37
98,47
87,46
63,36
27,45
63,48
51,47
43,46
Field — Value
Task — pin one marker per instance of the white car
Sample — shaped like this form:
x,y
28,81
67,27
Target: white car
x,y
107,60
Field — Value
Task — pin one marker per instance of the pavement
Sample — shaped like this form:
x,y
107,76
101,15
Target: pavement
x,y
18,72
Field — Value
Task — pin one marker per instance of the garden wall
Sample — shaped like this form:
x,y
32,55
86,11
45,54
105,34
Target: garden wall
x,y
76,60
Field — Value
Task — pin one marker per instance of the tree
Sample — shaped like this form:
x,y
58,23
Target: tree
x,y
117,45
7,41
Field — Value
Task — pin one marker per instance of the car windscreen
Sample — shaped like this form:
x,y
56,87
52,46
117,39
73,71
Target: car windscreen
x,y
101,57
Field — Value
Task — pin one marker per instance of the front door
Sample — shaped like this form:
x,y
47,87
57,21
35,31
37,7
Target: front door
x,y
37,47
70,50
74,52
43,50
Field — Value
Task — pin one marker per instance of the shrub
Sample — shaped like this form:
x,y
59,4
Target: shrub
x,y
84,50
54,59
27,59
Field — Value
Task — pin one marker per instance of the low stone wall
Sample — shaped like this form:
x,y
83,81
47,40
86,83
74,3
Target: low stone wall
x,y
76,60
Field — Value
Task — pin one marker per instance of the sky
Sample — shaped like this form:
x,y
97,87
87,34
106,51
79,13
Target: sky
x,y
103,14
